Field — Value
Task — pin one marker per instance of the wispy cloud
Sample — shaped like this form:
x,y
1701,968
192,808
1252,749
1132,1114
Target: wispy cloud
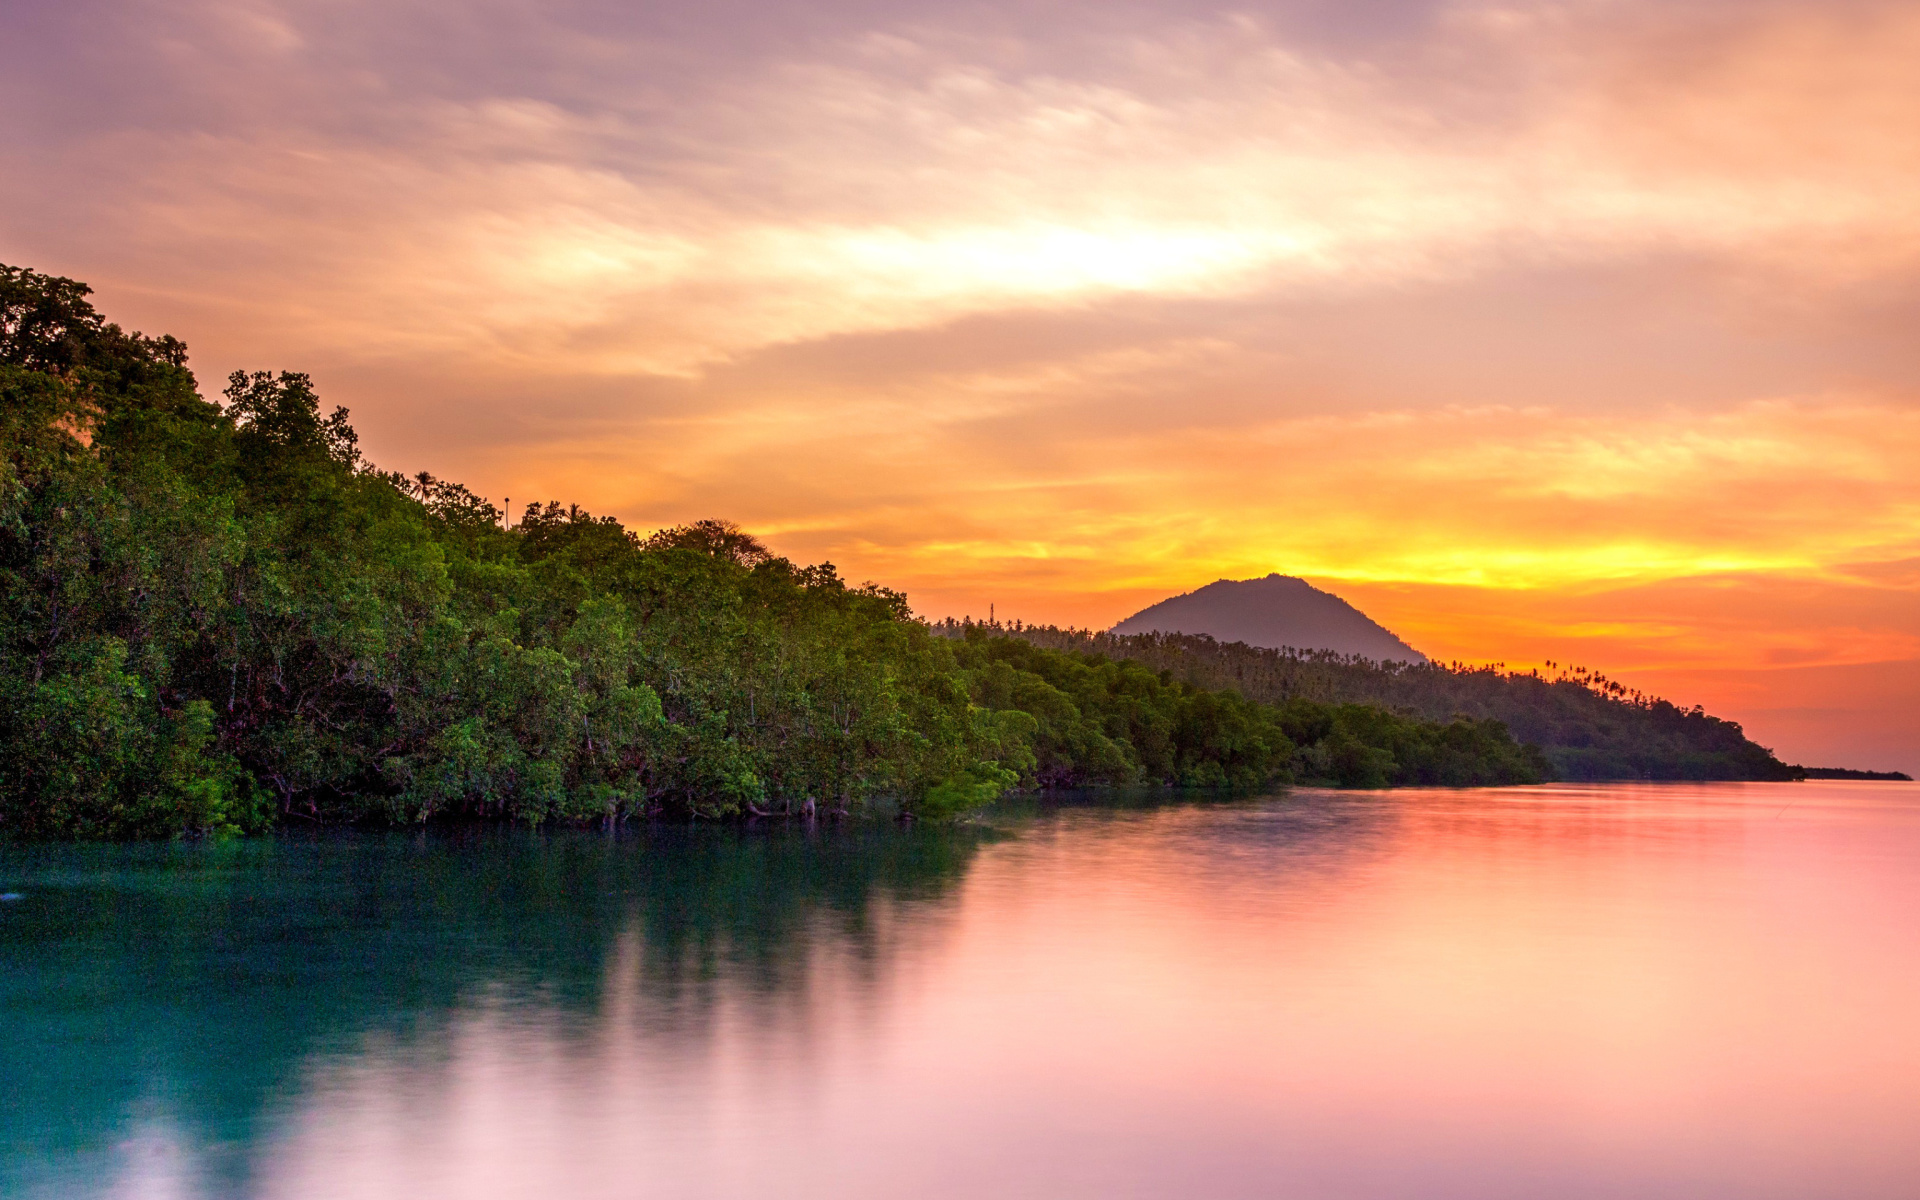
x,y
1533,304
885,181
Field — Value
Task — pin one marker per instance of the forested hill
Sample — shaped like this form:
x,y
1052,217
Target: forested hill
x,y
1589,727
216,617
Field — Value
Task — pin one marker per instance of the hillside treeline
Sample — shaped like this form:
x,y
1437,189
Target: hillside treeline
x,y
1101,720
216,617
1587,726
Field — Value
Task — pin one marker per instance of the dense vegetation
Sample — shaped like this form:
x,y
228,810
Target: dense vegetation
x,y
1100,720
1587,726
218,617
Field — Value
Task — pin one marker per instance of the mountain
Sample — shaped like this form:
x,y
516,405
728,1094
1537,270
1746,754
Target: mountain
x,y
1590,727
1276,612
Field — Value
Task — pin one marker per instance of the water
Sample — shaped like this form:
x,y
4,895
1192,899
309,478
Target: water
x,y
1642,991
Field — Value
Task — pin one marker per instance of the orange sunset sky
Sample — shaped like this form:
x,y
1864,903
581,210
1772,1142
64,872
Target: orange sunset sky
x,y
1585,331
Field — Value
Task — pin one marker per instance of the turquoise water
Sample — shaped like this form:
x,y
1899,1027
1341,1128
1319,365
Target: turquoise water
x,y
1628,991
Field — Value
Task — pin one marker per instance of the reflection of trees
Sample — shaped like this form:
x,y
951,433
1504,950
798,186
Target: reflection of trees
x,y
198,980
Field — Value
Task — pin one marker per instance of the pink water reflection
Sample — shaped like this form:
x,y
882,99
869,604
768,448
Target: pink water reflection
x,y
1639,991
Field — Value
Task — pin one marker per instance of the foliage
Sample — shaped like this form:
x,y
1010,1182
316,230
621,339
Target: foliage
x,y
1101,720
1587,726
215,617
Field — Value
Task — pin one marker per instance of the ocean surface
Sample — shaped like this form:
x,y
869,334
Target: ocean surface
x,y
1623,991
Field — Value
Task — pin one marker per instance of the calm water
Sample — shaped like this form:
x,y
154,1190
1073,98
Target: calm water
x,y
1623,992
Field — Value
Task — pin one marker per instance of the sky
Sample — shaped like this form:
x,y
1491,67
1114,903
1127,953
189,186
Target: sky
x,y
1575,331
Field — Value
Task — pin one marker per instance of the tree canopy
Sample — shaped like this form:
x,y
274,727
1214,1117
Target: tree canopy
x,y
216,617
1587,726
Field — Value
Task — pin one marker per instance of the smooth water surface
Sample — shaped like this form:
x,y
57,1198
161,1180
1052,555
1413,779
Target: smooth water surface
x,y
1642,991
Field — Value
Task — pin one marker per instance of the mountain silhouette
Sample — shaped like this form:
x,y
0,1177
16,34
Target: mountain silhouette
x,y
1277,612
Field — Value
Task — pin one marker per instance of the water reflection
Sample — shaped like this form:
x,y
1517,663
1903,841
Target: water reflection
x,y
1674,991
165,1005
